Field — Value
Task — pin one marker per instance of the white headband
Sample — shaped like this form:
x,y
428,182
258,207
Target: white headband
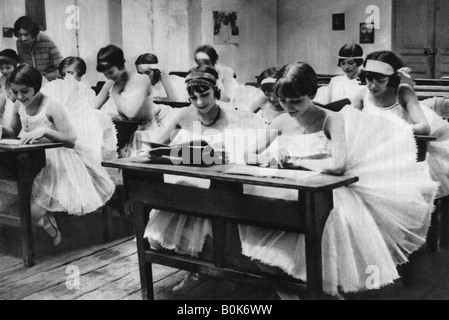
x,y
379,67
268,80
147,65
202,56
349,58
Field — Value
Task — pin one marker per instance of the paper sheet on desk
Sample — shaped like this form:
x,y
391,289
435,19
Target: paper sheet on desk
x,y
10,142
270,172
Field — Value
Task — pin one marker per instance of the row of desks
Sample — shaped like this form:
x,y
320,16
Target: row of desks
x,y
224,202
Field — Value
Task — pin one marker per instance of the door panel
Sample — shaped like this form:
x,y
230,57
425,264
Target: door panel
x,y
442,39
415,32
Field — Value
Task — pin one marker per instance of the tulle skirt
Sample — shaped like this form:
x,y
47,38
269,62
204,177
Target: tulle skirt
x,y
181,233
375,224
72,182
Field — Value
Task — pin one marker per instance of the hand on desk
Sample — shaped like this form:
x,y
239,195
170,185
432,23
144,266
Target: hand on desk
x,y
32,137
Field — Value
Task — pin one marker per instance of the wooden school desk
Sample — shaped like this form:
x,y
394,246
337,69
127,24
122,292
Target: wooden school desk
x,y
22,163
225,202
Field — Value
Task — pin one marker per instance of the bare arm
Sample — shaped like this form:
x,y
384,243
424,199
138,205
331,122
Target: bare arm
x,y
257,103
103,96
133,97
265,138
357,99
171,93
335,165
64,131
408,99
13,128
172,128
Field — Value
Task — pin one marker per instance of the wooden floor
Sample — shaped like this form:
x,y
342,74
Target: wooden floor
x,y
110,271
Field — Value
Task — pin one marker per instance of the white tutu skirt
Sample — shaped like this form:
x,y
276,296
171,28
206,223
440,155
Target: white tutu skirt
x,y
376,222
94,128
438,151
181,233
72,182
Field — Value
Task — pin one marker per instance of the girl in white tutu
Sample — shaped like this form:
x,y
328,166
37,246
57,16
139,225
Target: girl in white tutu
x,y
206,55
377,221
205,120
385,95
267,106
163,86
94,127
127,95
73,179
350,58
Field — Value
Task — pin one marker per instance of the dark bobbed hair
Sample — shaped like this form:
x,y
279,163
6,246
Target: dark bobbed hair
x,y
350,51
149,58
80,65
26,75
267,73
210,51
296,80
9,56
110,56
387,57
203,88
26,23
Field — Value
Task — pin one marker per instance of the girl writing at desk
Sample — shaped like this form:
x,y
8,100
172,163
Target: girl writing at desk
x,y
376,221
73,179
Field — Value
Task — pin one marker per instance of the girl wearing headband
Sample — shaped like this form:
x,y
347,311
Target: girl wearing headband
x,y
376,221
127,95
350,58
204,120
163,85
208,56
387,97
267,106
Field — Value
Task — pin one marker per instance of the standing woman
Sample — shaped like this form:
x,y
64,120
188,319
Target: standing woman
x,y
129,93
207,55
37,49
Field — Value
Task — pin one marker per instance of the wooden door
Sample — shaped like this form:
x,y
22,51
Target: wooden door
x,y
414,39
421,36
442,39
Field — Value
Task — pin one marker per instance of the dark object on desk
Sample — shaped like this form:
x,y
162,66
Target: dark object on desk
x,y
98,87
181,74
334,106
193,153
125,129
173,104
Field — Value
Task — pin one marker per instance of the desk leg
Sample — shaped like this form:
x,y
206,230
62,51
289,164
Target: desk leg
x,y
28,165
141,215
444,212
317,207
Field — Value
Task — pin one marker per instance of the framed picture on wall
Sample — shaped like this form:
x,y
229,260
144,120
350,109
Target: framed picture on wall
x,y
338,21
226,29
367,32
36,10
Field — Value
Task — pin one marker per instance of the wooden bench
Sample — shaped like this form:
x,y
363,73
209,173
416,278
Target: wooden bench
x,y
225,203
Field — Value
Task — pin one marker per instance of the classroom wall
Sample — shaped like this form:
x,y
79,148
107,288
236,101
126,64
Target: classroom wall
x,y
10,10
159,27
305,32
257,48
